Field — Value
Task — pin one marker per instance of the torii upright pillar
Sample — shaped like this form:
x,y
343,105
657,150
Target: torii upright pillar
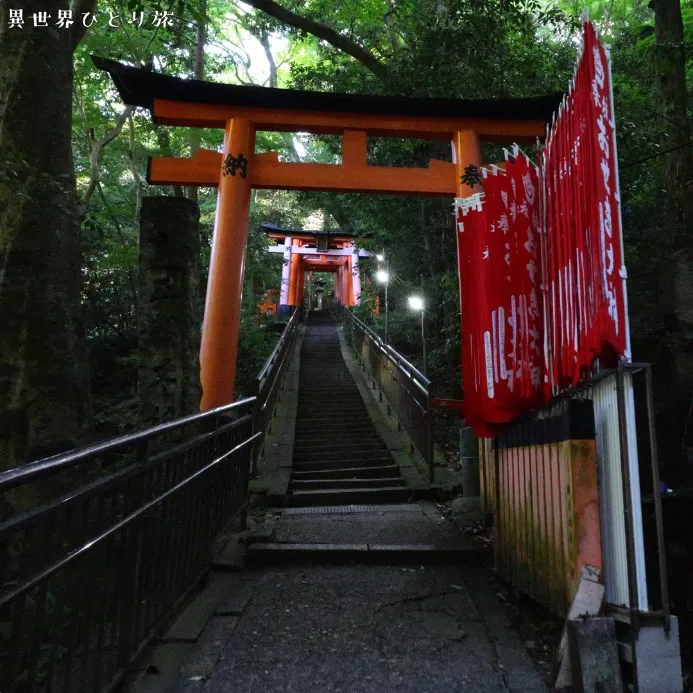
x,y
219,346
284,305
293,276
338,285
300,283
356,276
346,282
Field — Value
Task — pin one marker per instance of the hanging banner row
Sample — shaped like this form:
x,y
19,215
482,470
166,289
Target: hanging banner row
x,y
541,270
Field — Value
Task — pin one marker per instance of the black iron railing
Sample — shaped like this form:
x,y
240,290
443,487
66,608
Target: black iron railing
x,y
407,391
268,382
108,540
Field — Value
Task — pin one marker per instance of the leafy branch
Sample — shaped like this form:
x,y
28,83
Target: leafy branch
x,y
323,32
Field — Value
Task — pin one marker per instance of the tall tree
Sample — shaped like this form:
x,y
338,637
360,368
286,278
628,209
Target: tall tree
x,y
670,62
43,394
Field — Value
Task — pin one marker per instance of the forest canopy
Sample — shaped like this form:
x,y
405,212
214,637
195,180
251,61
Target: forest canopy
x,y
69,220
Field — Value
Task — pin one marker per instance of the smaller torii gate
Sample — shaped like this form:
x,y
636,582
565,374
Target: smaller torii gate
x,y
318,251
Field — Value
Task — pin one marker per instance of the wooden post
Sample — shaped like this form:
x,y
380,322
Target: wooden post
x,y
225,285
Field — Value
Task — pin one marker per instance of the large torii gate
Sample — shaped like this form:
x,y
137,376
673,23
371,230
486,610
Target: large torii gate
x,y
242,111
320,251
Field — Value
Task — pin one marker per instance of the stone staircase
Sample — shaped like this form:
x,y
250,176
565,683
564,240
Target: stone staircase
x,y
338,457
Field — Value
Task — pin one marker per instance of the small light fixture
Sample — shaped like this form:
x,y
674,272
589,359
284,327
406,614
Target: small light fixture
x,y
382,276
379,257
416,302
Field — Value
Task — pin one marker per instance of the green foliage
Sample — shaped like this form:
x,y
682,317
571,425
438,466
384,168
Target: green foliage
x,y
463,48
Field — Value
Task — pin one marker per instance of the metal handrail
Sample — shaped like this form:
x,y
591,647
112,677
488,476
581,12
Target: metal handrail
x,y
392,353
116,533
288,330
12,478
270,380
402,384
93,570
35,580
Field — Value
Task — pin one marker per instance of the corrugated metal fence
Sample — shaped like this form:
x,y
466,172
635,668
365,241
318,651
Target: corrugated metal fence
x,y
563,487
547,507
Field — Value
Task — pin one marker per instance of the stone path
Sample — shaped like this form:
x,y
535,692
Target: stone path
x,y
351,590
338,456
406,625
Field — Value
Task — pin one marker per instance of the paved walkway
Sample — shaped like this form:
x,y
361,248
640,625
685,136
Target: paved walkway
x,y
353,598
415,623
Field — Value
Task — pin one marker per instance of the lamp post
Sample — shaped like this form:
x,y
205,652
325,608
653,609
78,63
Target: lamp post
x,y
384,278
417,303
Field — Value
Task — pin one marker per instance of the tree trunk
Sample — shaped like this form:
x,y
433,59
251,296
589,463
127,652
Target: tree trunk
x,y
198,73
169,317
670,60
43,386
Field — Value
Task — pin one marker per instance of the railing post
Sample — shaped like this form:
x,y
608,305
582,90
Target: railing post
x,y
257,426
411,429
429,435
627,498
657,500
131,566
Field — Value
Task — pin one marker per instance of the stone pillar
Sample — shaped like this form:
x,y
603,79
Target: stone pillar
x,y
169,309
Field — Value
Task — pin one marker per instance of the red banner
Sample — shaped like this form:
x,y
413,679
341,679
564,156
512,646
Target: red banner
x,y
540,262
502,318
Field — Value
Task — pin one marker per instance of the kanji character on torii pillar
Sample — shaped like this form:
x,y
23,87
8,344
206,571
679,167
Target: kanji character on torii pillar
x,y
241,111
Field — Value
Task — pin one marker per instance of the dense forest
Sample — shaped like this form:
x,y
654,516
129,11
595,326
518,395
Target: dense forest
x,y
73,165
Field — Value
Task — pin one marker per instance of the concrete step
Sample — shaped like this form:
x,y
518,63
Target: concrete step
x,y
332,411
384,471
334,416
318,443
343,453
341,482
335,434
347,496
398,554
306,428
318,466
345,444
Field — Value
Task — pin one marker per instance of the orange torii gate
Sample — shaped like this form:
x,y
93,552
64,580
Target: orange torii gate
x,y
242,111
320,251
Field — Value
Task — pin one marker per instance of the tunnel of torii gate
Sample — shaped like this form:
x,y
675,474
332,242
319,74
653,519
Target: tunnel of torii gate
x,y
316,251
242,111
